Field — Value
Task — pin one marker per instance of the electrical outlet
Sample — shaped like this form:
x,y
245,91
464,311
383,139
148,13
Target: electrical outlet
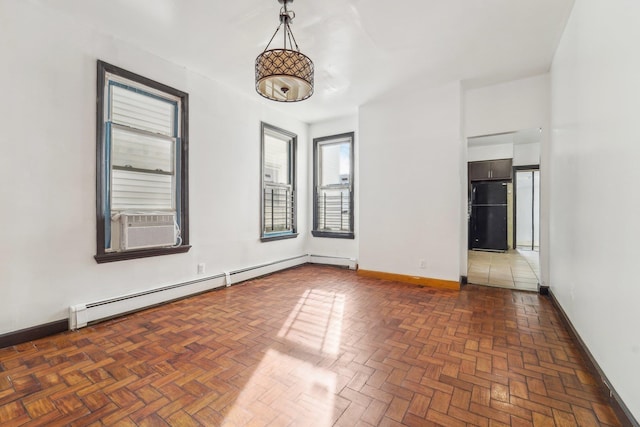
x,y
201,268
423,263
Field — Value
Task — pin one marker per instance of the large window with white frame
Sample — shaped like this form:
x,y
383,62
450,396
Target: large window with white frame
x,y
278,207
333,210
141,166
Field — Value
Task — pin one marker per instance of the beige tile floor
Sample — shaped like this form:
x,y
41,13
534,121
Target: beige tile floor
x,y
517,269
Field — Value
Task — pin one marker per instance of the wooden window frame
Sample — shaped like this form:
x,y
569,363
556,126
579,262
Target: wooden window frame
x,y
317,143
293,140
103,168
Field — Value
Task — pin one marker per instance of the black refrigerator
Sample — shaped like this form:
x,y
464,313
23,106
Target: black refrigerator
x,y
488,220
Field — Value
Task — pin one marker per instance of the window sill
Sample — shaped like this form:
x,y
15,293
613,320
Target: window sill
x,y
333,235
140,253
269,238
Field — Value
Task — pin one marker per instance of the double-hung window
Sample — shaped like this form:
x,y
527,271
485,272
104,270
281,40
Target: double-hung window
x,y
278,213
142,162
333,214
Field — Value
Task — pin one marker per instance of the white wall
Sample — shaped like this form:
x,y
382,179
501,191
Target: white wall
x,y
526,154
594,155
410,168
342,248
489,152
522,154
508,107
48,171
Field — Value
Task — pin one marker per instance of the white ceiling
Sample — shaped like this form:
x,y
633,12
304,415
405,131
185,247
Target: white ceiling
x,y
361,48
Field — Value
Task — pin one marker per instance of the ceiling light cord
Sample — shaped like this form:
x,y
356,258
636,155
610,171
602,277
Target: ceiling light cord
x,y
286,17
291,36
272,37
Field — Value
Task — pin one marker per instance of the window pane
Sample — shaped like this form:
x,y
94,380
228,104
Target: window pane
x,y
335,164
334,210
142,111
132,149
140,190
333,186
276,160
278,209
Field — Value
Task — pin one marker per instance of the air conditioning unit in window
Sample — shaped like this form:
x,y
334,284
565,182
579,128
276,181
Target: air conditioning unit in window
x,y
140,231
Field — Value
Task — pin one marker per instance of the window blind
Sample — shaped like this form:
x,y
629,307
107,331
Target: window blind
x,y
143,150
141,191
142,111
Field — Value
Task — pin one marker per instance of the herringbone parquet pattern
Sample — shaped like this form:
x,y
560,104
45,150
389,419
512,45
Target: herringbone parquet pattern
x,y
312,346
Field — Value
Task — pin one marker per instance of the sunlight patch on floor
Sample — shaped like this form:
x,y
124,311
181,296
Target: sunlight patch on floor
x,y
284,390
316,321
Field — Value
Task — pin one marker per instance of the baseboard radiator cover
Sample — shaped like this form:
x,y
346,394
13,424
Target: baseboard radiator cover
x,y
81,315
350,263
236,276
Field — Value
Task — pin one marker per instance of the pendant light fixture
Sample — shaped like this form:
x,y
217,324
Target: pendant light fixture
x,y
284,75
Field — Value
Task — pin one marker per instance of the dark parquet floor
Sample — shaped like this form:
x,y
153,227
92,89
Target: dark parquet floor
x,y
312,346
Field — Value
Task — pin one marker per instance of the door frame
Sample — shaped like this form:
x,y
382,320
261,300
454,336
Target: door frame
x,y
515,199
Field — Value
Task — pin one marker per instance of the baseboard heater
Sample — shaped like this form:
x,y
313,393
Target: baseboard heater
x,y
81,315
237,276
350,263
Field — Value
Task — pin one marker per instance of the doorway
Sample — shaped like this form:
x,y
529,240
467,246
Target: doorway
x,y
527,207
519,266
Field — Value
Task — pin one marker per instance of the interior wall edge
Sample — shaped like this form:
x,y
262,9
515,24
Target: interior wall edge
x,y
621,409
